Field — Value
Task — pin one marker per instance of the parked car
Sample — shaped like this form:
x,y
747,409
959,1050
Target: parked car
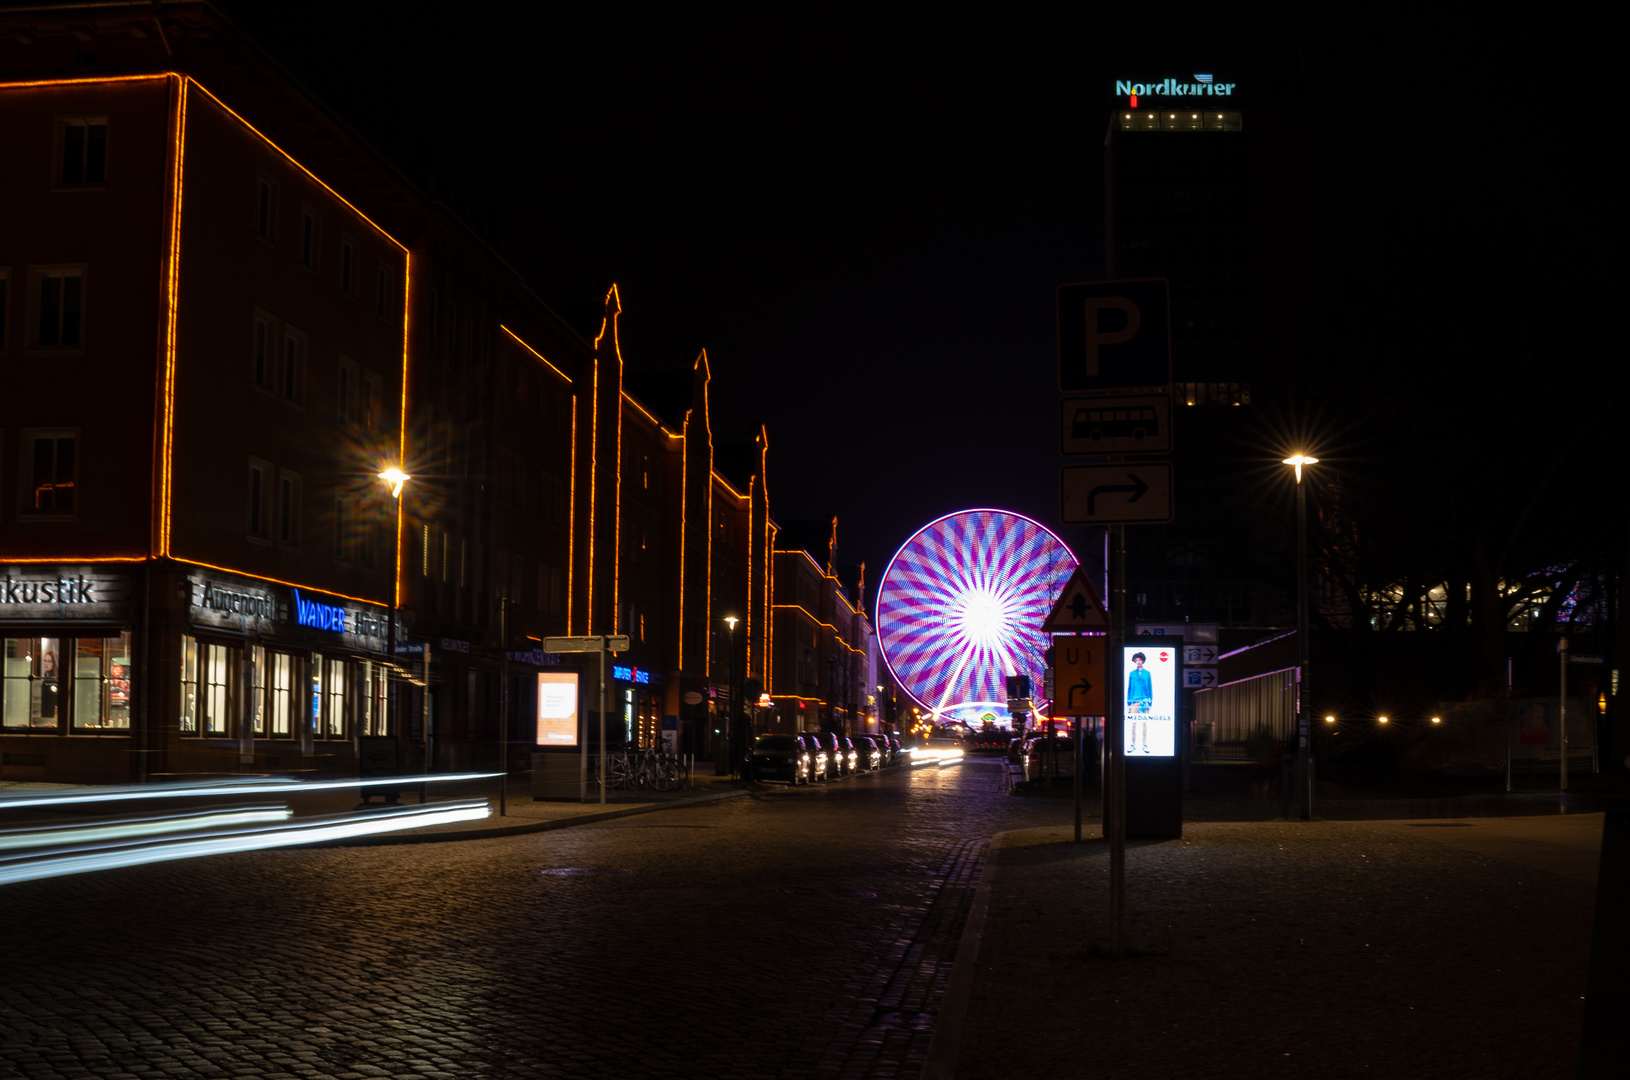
x,y
868,755
847,754
891,743
779,757
823,749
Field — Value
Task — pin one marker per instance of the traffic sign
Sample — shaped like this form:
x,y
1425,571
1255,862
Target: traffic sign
x,y
1199,678
1134,493
1114,335
1586,658
1078,676
1187,631
1078,608
586,644
1199,656
1115,425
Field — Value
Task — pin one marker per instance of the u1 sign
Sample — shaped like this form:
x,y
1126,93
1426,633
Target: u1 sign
x,y
1114,335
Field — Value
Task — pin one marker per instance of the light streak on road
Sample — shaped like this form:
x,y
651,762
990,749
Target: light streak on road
x,y
41,836
250,785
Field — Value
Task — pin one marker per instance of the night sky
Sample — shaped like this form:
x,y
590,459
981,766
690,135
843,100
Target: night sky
x,y
863,221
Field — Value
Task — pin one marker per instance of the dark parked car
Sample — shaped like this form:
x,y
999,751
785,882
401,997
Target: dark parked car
x,y
829,765
1047,756
896,753
868,755
779,757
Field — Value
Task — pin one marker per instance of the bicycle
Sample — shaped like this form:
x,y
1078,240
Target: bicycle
x,y
659,770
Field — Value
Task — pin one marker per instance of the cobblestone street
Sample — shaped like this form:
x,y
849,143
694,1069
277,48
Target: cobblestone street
x,y
790,934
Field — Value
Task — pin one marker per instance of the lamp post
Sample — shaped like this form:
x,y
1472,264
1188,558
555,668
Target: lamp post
x,y
1304,752
732,732
396,480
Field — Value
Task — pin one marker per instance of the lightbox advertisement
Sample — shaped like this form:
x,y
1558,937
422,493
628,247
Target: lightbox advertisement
x,y
1151,699
557,708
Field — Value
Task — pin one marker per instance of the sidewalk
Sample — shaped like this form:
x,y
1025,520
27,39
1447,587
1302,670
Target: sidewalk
x,y
1397,948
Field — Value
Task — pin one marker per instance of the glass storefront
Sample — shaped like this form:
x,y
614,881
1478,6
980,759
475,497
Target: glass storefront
x,y
40,691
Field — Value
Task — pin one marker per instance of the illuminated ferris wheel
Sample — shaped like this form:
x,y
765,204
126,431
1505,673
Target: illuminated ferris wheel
x,y
961,607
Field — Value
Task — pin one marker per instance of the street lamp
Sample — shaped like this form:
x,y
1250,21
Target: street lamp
x,y
396,479
1304,752
732,731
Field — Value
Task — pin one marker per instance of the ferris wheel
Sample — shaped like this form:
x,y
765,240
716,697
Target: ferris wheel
x,y
961,607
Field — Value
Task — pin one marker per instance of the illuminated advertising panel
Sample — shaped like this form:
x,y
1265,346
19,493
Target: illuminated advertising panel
x,y
557,708
1149,681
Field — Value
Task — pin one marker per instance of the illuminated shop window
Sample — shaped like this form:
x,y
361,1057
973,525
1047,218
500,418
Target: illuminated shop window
x,y
102,683
215,669
334,707
255,711
280,704
30,697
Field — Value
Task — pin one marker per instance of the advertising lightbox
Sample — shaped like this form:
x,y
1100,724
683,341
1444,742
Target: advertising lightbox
x,y
1150,683
557,708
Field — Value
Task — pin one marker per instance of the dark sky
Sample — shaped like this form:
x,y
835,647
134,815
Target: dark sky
x,y
863,221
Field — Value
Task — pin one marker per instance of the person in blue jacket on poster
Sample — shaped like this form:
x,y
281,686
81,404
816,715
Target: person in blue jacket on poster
x,y
1140,698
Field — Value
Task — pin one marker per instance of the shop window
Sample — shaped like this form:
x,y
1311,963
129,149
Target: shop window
x,y
59,309
84,151
205,688
30,697
102,684
187,719
280,701
53,466
254,713
333,691
371,699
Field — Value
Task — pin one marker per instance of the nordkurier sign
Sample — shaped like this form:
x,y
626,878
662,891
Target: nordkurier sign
x,y
1202,86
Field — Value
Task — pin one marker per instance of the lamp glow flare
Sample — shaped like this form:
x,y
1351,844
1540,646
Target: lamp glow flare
x,y
1299,460
395,478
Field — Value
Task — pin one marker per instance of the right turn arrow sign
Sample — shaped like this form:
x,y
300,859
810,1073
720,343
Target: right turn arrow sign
x,y
1115,494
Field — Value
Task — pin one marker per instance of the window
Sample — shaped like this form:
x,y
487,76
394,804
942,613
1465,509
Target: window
x,y
254,716
53,465
265,208
371,698
260,489
382,293
102,684
288,509
188,713
59,310
342,527
366,543
5,306
280,705
84,151
344,390
334,705
294,355
348,258
29,697
308,239
214,668
260,353
370,402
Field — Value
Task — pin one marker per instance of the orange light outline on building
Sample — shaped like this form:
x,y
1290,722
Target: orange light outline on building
x,y
707,428
684,483
769,554
534,352
27,84
571,520
401,421
614,302
748,640
285,154
33,559
172,318
836,633
732,490
279,581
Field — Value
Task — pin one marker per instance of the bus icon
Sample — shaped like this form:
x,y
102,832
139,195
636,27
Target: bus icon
x,y
1129,423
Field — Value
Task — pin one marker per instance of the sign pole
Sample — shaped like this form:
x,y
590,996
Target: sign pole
x,y
1115,741
503,706
602,719
1080,759
1562,713
424,731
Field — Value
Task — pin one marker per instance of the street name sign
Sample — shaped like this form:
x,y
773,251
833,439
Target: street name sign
x,y
1131,494
1079,608
1114,335
586,644
1192,632
1078,676
1199,678
1115,425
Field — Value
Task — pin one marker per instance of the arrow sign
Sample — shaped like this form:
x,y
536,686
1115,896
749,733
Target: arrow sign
x,y
1078,608
1133,493
1077,672
1199,656
1199,678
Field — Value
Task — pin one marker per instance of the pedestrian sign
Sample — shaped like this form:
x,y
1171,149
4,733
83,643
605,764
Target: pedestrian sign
x,y
1079,608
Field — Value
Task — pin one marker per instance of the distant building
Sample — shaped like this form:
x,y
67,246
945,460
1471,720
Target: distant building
x,y
825,651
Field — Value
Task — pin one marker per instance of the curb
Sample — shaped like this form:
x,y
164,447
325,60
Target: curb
x,y
386,839
939,1062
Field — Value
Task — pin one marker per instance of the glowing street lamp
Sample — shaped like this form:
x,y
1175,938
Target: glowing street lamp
x,y
1304,751
732,730
395,478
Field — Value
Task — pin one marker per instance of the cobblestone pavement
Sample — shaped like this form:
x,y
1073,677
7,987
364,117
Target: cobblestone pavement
x,y
803,933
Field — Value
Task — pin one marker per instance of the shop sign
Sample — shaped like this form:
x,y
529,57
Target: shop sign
x,y
449,644
535,657
1202,86
630,674
229,601
318,616
60,590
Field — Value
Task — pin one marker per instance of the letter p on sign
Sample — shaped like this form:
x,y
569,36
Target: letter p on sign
x,y
1114,335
